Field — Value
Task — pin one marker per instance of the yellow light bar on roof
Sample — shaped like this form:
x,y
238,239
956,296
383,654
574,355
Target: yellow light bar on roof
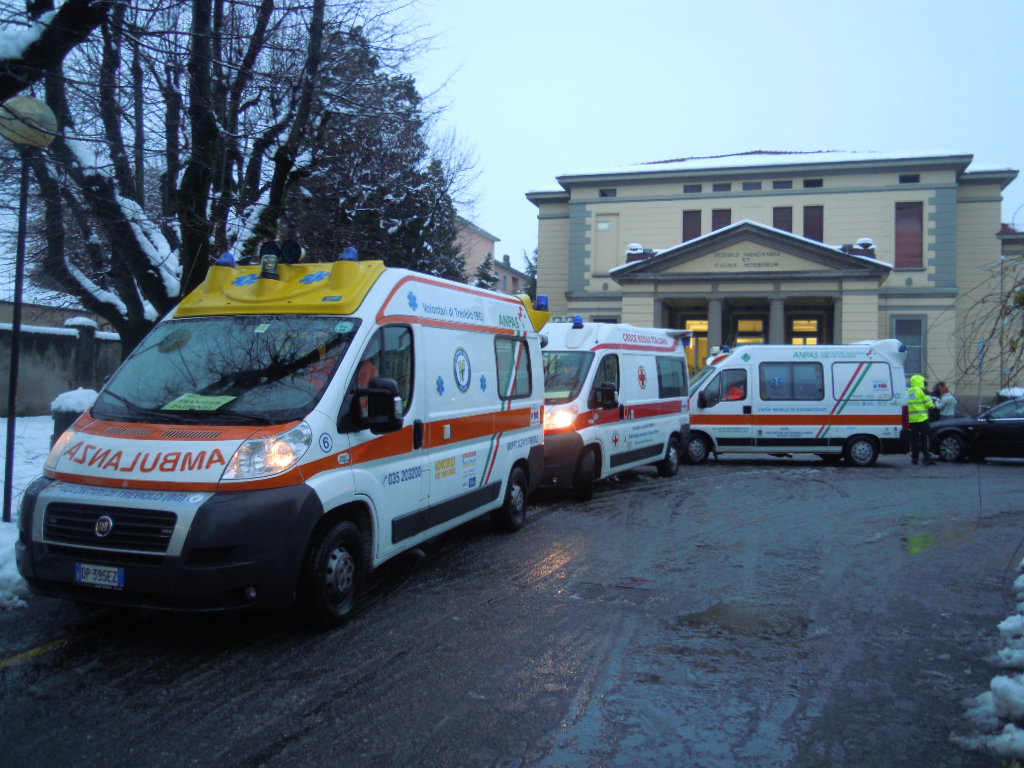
x,y
539,317
303,289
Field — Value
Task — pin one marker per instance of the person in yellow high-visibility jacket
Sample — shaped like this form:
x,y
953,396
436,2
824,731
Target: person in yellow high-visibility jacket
x,y
919,403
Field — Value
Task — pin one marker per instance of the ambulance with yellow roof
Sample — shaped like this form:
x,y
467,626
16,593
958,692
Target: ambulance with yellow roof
x,y
285,430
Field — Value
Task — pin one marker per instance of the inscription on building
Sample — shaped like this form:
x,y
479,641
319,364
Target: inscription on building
x,y
740,260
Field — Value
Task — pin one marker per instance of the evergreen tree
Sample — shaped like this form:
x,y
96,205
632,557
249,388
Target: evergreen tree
x,y
485,277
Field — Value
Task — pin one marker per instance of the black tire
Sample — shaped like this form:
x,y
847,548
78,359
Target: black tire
x,y
669,466
860,451
511,515
951,447
697,450
333,576
584,476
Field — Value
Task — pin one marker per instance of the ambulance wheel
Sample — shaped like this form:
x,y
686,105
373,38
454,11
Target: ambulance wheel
x,y
333,575
583,478
860,451
511,515
697,450
669,466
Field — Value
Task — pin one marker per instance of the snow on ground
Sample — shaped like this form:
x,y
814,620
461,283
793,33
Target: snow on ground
x,y
31,444
999,711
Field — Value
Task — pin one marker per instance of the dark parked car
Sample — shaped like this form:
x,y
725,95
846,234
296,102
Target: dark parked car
x,y
998,431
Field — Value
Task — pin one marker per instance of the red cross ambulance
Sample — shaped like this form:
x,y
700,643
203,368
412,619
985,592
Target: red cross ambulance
x,y
839,402
615,400
288,428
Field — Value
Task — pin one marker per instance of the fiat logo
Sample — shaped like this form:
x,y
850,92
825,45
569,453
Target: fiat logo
x,y
104,525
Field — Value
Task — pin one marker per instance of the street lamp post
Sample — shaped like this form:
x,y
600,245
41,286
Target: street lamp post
x,y
30,124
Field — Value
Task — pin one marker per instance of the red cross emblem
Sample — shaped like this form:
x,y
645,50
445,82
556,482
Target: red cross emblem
x,y
615,439
641,377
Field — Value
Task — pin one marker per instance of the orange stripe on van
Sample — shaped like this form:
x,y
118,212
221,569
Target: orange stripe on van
x,y
134,430
291,477
419,319
633,413
813,419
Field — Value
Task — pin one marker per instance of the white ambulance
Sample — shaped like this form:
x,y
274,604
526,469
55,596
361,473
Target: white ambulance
x,y
616,399
840,402
288,428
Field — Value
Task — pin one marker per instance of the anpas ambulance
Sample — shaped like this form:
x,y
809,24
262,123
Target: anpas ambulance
x,y
616,399
840,402
288,428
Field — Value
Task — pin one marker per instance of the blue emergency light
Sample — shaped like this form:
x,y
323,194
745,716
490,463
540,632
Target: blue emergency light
x,y
577,321
542,303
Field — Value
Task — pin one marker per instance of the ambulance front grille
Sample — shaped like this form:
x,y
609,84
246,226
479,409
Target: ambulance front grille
x,y
139,530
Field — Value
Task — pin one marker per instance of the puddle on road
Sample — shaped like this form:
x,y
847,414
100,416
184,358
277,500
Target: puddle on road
x,y
746,619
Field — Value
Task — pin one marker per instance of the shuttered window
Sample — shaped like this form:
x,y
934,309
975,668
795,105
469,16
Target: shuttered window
x,y
909,235
814,222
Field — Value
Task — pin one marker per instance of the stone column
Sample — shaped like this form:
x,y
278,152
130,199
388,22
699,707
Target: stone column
x,y
777,322
714,323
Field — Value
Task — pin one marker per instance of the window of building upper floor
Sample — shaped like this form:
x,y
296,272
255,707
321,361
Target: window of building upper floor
x,y
909,233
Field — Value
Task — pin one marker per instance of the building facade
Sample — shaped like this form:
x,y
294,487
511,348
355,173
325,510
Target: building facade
x,y
476,246
808,248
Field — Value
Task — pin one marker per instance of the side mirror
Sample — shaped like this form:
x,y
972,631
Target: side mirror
x,y
383,411
607,395
702,399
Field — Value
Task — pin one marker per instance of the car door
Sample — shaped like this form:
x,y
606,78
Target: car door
x,y
1002,429
723,407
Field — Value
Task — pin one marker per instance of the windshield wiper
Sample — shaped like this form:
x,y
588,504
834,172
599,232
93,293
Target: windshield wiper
x,y
141,412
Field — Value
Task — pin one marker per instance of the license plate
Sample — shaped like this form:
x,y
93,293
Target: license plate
x,y
103,576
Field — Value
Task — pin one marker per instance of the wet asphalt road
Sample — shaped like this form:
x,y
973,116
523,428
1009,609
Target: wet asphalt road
x,y
745,613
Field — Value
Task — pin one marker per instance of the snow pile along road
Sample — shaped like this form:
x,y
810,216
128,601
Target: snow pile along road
x,y
1000,710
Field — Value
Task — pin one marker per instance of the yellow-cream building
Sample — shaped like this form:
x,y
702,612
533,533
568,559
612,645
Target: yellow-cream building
x,y
804,248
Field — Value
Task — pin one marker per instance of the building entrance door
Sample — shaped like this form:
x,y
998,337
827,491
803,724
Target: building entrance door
x,y
749,329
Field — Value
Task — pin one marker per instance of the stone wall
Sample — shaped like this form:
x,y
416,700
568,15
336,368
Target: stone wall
x,y
55,360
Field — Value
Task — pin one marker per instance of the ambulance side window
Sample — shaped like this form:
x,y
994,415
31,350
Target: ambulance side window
x,y
727,386
791,381
387,355
671,377
607,373
515,377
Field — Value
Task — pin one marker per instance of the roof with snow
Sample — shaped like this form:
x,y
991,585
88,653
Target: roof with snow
x,y
831,256
765,162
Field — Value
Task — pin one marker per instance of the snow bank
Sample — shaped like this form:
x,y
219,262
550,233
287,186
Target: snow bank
x,y
1000,710
75,401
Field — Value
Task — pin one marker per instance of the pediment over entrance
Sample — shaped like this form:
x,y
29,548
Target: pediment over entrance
x,y
749,248
746,256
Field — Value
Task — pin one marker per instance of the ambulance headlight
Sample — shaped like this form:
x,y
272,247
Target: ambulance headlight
x,y
50,467
559,418
268,456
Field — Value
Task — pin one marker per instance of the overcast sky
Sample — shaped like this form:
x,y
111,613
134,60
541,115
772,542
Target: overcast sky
x,y
540,88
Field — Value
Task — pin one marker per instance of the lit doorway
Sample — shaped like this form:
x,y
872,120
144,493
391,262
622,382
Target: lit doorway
x,y
749,330
697,352
805,330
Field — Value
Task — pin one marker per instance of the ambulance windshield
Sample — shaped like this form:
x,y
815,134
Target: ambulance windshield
x,y
564,374
239,369
702,374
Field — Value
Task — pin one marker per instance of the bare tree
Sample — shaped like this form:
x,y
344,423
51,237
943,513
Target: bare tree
x,y
187,128
993,329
